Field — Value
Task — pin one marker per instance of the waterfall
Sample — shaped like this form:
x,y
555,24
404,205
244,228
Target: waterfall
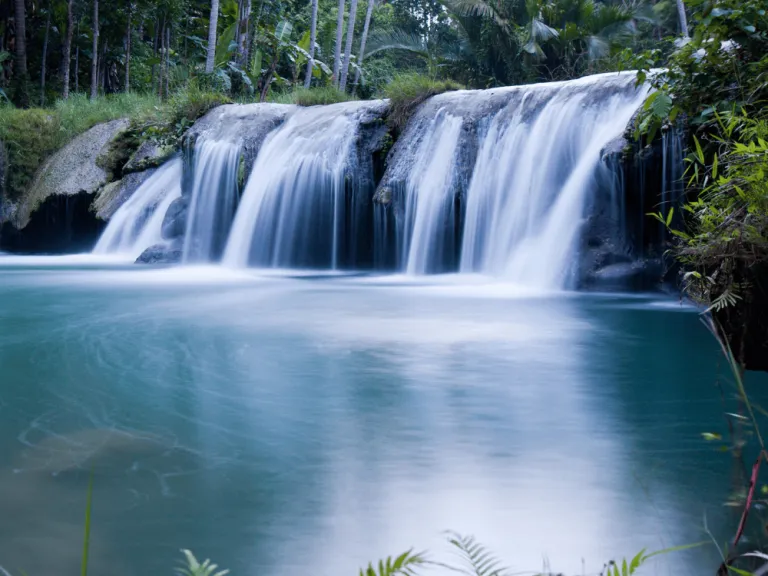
x,y
519,163
137,223
429,196
213,199
301,202
526,200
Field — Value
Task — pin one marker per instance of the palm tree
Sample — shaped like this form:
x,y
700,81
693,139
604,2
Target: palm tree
x,y
348,48
212,24
312,37
363,38
94,56
67,51
21,39
339,36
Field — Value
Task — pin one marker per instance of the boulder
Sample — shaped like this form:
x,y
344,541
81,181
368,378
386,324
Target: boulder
x,y
166,253
113,195
72,170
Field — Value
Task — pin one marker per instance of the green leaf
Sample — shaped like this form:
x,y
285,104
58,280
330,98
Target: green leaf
x,y
669,216
222,46
711,436
699,151
87,534
283,30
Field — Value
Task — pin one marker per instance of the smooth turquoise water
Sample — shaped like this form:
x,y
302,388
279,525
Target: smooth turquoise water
x,y
296,425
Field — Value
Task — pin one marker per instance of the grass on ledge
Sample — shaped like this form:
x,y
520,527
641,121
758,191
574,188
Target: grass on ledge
x,y
311,96
407,91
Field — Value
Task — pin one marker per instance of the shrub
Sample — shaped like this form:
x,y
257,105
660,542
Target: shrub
x,y
311,96
407,91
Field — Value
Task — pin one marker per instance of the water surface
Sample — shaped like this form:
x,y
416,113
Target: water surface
x,y
295,424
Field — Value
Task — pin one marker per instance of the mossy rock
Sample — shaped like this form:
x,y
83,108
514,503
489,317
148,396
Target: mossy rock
x,y
149,154
71,170
109,198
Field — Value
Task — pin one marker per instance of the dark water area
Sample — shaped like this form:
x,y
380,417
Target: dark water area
x,y
284,424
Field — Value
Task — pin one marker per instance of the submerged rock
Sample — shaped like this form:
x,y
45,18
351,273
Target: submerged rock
x,y
169,253
72,170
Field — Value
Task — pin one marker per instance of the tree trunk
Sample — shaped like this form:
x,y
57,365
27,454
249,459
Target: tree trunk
x,y
268,80
45,56
94,57
244,42
348,47
128,49
210,59
683,18
21,38
363,38
168,62
161,67
312,38
77,61
337,52
103,67
155,43
67,57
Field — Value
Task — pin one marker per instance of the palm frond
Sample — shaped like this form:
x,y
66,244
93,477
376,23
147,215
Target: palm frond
x,y
482,8
540,32
406,564
396,40
478,560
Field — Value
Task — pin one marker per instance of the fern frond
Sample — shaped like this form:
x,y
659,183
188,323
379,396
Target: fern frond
x,y
405,564
190,566
479,560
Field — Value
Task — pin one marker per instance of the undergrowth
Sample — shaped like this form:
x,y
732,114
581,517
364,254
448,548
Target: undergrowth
x,y
310,96
29,136
407,91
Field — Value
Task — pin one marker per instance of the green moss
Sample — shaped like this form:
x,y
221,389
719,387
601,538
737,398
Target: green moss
x,y
407,91
118,152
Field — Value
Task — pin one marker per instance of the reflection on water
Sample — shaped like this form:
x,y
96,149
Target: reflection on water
x,y
280,424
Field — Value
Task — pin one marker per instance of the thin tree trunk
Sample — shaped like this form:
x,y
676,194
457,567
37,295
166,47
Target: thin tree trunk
x,y
77,61
363,38
168,62
20,17
161,68
45,56
95,58
337,49
268,80
312,37
246,34
683,18
210,59
67,51
348,47
239,27
128,49
155,42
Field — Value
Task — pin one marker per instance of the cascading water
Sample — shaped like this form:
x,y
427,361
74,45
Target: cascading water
x,y
525,204
137,223
213,199
429,196
300,204
528,159
225,141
